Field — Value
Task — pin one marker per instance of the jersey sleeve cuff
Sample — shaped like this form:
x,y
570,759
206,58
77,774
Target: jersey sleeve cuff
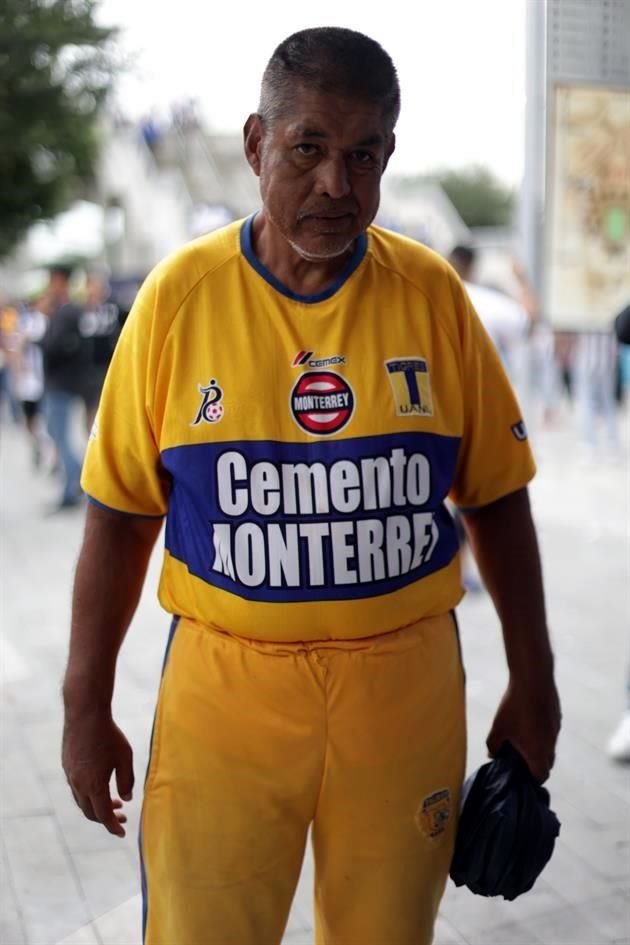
x,y
109,508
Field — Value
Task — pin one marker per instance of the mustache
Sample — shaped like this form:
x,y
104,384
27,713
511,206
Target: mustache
x,y
329,210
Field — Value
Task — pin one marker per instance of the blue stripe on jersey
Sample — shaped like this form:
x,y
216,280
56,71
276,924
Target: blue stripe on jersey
x,y
143,872
248,251
331,520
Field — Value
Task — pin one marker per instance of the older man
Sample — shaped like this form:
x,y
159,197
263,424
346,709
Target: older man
x,y
298,393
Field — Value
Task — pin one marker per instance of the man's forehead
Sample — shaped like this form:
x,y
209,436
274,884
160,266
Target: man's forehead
x,y
306,108
316,129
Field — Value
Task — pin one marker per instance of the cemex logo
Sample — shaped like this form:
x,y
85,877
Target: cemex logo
x,y
303,359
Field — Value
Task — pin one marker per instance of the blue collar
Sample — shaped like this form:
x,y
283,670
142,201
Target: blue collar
x,y
248,251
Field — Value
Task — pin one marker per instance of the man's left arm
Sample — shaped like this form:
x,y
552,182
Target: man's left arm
x,y
503,539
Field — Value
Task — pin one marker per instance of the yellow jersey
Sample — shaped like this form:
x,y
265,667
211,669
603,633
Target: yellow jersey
x,y
302,448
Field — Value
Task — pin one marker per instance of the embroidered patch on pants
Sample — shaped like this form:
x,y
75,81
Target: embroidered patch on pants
x,y
434,812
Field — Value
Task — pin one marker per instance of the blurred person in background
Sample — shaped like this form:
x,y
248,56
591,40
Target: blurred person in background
x,y
298,393
99,327
506,323
595,372
4,360
622,330
151,132
619,744
29,376
64,376
564,347
542,372
503,318
9,327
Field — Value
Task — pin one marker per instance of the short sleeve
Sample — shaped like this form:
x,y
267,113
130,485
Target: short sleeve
x,y
495,457
122,468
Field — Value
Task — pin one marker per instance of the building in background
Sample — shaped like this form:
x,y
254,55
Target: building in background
x,y
575,214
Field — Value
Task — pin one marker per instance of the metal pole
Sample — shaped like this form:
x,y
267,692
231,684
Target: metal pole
x,y
533,189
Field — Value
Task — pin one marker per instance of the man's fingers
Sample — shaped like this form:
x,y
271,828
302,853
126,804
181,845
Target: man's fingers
x,y
120,816
85,805
540,766
93,749
104,809
124,776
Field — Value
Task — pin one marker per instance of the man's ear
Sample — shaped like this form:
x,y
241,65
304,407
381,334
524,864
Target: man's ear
x,y
253,133
389,150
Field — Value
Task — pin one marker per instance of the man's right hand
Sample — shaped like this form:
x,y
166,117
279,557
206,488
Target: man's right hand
x,y
93,749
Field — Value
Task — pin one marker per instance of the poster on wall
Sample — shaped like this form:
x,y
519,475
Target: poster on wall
x,y
587,218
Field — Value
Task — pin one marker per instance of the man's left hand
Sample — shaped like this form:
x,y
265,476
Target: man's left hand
x,y
529,718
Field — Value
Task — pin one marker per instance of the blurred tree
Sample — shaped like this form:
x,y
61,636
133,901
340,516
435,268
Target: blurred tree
x,y
56,69
477,195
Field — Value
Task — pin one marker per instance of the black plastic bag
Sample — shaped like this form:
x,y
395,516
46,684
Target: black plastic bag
x,y
506,832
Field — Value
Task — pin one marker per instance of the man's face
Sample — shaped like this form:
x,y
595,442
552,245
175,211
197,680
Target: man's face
x,y
320,167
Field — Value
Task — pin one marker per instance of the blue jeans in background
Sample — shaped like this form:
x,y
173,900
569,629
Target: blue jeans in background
x,y
59,407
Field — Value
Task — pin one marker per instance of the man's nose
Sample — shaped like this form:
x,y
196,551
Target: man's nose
x,y
333,179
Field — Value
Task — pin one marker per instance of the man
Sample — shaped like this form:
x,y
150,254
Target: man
x,y
99,328
503,318
64,367
298,394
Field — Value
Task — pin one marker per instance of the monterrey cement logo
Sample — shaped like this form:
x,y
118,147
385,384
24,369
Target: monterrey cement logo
x,y
321,402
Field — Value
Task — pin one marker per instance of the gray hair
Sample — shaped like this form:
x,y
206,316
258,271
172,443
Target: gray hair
x,y
333,60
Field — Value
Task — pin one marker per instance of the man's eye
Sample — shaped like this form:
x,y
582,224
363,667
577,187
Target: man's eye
x,y
363,157
306,150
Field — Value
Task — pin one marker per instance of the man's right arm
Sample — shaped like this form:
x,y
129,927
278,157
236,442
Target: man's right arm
x,y
109,577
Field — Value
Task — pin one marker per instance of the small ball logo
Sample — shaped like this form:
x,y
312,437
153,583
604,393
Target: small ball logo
x,y
210,410
214,413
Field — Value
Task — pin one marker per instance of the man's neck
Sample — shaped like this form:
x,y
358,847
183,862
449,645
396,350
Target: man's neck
x,y
295,272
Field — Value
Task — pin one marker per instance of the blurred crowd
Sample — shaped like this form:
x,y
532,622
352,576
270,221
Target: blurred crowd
x,y
587,370
54,352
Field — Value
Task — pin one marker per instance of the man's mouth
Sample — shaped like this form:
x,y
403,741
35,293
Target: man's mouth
x,y
329,221
328,214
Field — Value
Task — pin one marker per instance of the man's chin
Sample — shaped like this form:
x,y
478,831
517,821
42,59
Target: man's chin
x,y
322,250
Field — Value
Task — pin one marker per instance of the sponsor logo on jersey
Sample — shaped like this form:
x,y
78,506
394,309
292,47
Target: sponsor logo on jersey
x,y
434,813
335,519
297,524
306,358
211,409
321,402
411,386
519,430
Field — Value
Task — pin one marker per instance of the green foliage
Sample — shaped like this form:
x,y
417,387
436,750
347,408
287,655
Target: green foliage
x,y
477,195
56,69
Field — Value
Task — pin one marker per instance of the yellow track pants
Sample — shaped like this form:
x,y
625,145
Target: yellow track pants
x,y
254,742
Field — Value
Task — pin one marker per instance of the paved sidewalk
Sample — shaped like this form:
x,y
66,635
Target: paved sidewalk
x,y
62,879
